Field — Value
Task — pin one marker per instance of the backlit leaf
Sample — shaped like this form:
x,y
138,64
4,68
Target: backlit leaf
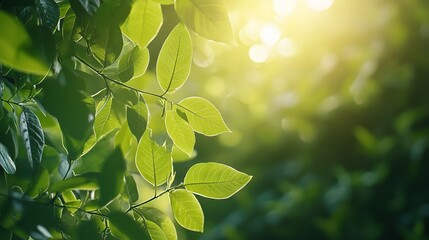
x,y
203,117
153,161
137,117
187,210
143,22
6,161
162,220
180,132
208,18
107,45
215,180
105,121
17,49
33,137
155,231
87,181
174,60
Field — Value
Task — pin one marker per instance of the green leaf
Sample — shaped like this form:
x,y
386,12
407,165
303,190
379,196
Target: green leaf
x,y
111,178
180,132
155,231
137,117
112,12
174,60
143,22
107,45
87,230
153,161
162,220
39,184
203,117
124,227
215,180
87,181
165,2
208,18
32,133
105,121
17,48
187,210
49,13
6,161
132,191
133,64
90,6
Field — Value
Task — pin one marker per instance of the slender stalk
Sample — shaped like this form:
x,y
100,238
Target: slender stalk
x,y
154,197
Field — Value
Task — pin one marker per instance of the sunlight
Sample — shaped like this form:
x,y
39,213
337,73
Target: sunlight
x,y
270,34
320,5
258,53
284,7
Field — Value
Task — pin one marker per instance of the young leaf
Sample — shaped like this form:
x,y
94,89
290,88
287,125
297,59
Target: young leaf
x,y
137,117
16,47
32,133
208,18
215,180
203,117
111,178
107,45
105,121
153,161
87,181
49,13
6,161
180,132
125,227
162,220
155,231
187,210
143,22
174,60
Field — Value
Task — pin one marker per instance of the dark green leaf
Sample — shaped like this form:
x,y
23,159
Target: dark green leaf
x,y
137,117
90,6
107,44
112,13
6,161
124,227
132,191
39,184
162,220
32,134
111,179
49,13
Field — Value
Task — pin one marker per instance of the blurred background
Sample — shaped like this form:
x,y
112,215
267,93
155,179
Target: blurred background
x,y
329,109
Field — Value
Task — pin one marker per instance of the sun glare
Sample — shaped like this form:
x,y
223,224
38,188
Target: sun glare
x,y
284,7
320,5
270,34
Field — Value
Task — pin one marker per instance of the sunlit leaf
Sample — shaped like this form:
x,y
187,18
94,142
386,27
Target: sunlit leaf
x,y
165,2
32,133
155,231
208,18
125,227
6,161
143,22
180,132
153,161
215,180
49,13
174,60
107,45
187,210
137,117
203,117
105,121
87,181
162,220
17,49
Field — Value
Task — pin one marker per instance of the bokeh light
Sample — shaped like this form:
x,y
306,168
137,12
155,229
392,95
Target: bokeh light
x,y
320,5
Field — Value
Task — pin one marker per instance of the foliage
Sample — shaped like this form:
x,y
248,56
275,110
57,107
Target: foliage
x,y
78,134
